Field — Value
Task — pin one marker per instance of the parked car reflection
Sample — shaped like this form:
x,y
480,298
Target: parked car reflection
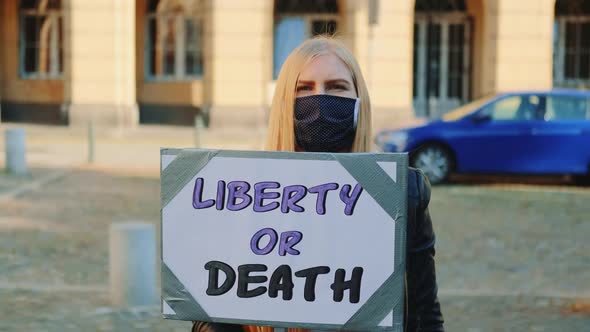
x,y
546,132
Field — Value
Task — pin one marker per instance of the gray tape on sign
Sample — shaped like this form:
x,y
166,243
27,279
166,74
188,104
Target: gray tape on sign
x,y
382,188
375,181
378,306
181,170
179,298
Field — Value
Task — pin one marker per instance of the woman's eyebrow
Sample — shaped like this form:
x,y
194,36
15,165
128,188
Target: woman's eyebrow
x,y
305,82
339,80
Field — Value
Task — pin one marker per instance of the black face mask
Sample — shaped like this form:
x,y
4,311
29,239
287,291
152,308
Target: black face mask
x,y
325,123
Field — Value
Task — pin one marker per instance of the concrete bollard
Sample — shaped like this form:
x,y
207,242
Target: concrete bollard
x,y
199,127
91,141
16,162
132,264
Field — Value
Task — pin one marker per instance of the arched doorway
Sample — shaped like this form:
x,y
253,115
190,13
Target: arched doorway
x,y
442,56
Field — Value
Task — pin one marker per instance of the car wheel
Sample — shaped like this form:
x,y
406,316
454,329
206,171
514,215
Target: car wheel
x,y
435,161
582,180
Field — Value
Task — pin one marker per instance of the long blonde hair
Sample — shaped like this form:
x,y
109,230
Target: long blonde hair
x,y
281,135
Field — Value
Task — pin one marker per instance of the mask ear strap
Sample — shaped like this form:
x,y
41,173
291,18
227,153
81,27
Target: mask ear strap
x,y
357,105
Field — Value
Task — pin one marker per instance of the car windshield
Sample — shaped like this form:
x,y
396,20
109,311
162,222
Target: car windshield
x,y
462,111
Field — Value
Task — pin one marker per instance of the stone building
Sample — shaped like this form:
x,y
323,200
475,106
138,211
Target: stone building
x,y
124,62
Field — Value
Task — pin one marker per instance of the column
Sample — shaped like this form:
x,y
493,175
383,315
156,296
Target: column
x,y
523,38
385,54
240,62
100,62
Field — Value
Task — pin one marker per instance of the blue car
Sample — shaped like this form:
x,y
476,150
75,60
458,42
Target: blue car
x,y
543,132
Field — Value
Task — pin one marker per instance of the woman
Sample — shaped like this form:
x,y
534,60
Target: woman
x,y
321,77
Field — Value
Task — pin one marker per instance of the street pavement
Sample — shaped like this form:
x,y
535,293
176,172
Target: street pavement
x,y
510,257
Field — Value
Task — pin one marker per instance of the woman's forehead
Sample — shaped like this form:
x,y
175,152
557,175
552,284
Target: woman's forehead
x,y
324,68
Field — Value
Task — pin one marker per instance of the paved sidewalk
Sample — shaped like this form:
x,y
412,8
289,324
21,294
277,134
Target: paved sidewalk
x,y
509,257
523,267
135,149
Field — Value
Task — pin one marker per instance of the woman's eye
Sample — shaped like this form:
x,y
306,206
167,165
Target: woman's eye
x,y
303,88
337,87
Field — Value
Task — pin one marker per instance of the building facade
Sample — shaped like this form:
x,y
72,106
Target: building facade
x,y
124,62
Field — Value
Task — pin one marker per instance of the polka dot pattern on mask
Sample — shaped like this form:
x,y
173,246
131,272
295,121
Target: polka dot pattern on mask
x,y
324,123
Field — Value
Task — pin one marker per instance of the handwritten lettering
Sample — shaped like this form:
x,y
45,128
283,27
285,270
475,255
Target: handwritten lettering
x,y
267,196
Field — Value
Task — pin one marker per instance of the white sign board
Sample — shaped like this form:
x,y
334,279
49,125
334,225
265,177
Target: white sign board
x,y
281,239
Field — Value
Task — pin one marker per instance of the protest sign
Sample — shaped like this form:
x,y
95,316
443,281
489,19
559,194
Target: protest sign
x,y
312,240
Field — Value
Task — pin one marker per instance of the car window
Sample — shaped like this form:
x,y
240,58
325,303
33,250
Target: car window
x,y
561,108
514,108
466,109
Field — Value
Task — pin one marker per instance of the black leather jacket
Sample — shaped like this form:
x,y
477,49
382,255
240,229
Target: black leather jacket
x,y
423,308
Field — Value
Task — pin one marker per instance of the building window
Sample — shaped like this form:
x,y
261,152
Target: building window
x,y
572,43
174,39
456,58
577,51
442,48
41,39
297,20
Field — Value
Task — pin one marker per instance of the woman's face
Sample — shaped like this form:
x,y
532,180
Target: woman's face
x,y
326,74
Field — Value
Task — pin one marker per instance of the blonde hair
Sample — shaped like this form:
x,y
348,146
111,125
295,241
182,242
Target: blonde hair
x,y
281,134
